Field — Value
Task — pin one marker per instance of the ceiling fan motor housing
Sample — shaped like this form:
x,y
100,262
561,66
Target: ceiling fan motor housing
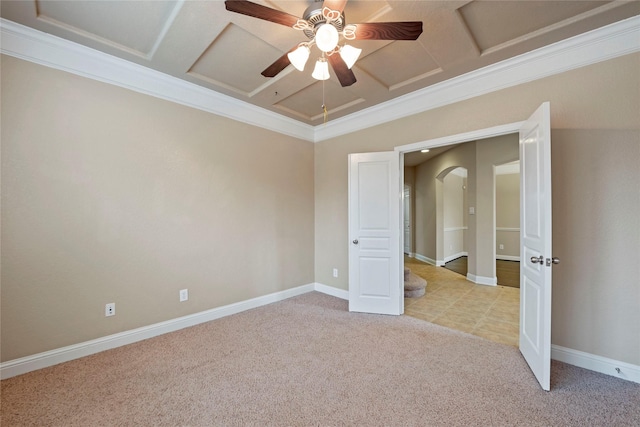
x,y
313,15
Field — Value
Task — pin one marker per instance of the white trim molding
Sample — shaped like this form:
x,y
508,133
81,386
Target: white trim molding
x,y
426,259
508,229
508,257
482,280
34,362
330,290
617,39
26,364
455,256
611,41
604,365
448,229
45,49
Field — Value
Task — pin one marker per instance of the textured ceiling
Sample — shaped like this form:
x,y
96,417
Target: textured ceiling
x,y
203,43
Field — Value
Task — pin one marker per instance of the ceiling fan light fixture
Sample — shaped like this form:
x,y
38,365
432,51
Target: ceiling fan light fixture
x,y
321,70
350,55
327,37
299,57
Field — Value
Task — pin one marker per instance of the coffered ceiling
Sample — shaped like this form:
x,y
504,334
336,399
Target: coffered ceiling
x,y
203,43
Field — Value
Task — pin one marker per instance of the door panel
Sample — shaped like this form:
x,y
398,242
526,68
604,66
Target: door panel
x,y
374,233
535,237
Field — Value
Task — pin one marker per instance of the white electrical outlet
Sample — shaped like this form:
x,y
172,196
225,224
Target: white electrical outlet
x,y
184,295
501,246
335,272
110,309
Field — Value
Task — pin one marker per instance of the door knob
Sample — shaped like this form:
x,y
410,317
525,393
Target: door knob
x,y
355,242
555,260
537,260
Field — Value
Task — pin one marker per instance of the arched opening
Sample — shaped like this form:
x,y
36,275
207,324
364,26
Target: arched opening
x,y
452,245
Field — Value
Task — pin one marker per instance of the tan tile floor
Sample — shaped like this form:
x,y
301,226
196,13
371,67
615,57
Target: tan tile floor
x,y
491,312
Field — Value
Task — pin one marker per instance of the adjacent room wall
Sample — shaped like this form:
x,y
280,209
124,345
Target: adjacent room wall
x,y
596,294
508,216
109,195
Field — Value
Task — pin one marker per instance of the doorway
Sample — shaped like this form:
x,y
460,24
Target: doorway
x,y
453,297
382,293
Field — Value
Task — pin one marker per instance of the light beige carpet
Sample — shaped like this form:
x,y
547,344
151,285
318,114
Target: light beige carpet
x,y
307,361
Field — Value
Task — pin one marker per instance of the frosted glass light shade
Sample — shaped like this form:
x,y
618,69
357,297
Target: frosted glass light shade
x,y
327,37
350,55
321,71
298,57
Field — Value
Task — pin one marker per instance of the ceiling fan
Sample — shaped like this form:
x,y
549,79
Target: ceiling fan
x,y
324,24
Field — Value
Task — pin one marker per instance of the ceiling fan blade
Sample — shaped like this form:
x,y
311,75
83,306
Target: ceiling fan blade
x,y
255,10
389,30
344,74
335,4
279,65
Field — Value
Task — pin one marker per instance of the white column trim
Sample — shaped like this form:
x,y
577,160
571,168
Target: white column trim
x,y
482,280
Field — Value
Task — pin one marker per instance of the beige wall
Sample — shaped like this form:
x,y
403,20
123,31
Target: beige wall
x,y
113,196
595,296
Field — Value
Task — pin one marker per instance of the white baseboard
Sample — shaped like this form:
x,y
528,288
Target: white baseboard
x,y
481,280
34,362
329,290
425,259
455,256
604,365
26,364
508,257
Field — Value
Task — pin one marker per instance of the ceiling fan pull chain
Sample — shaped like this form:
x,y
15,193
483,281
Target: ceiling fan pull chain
x,y
325,113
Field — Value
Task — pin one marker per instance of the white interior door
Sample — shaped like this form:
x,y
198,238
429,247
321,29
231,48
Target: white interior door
x,y
535,238
374,233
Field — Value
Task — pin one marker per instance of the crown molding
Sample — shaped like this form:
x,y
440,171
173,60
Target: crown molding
x,y
45,49
611,41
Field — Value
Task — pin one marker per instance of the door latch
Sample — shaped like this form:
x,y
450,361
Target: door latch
x,y
537,260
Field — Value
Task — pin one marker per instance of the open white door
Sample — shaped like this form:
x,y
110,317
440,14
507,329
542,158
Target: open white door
x,y
535,238
374,233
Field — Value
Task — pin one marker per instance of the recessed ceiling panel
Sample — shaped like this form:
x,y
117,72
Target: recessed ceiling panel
x,y
308,102
495,22
132,26
398,62
203,43
236,58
